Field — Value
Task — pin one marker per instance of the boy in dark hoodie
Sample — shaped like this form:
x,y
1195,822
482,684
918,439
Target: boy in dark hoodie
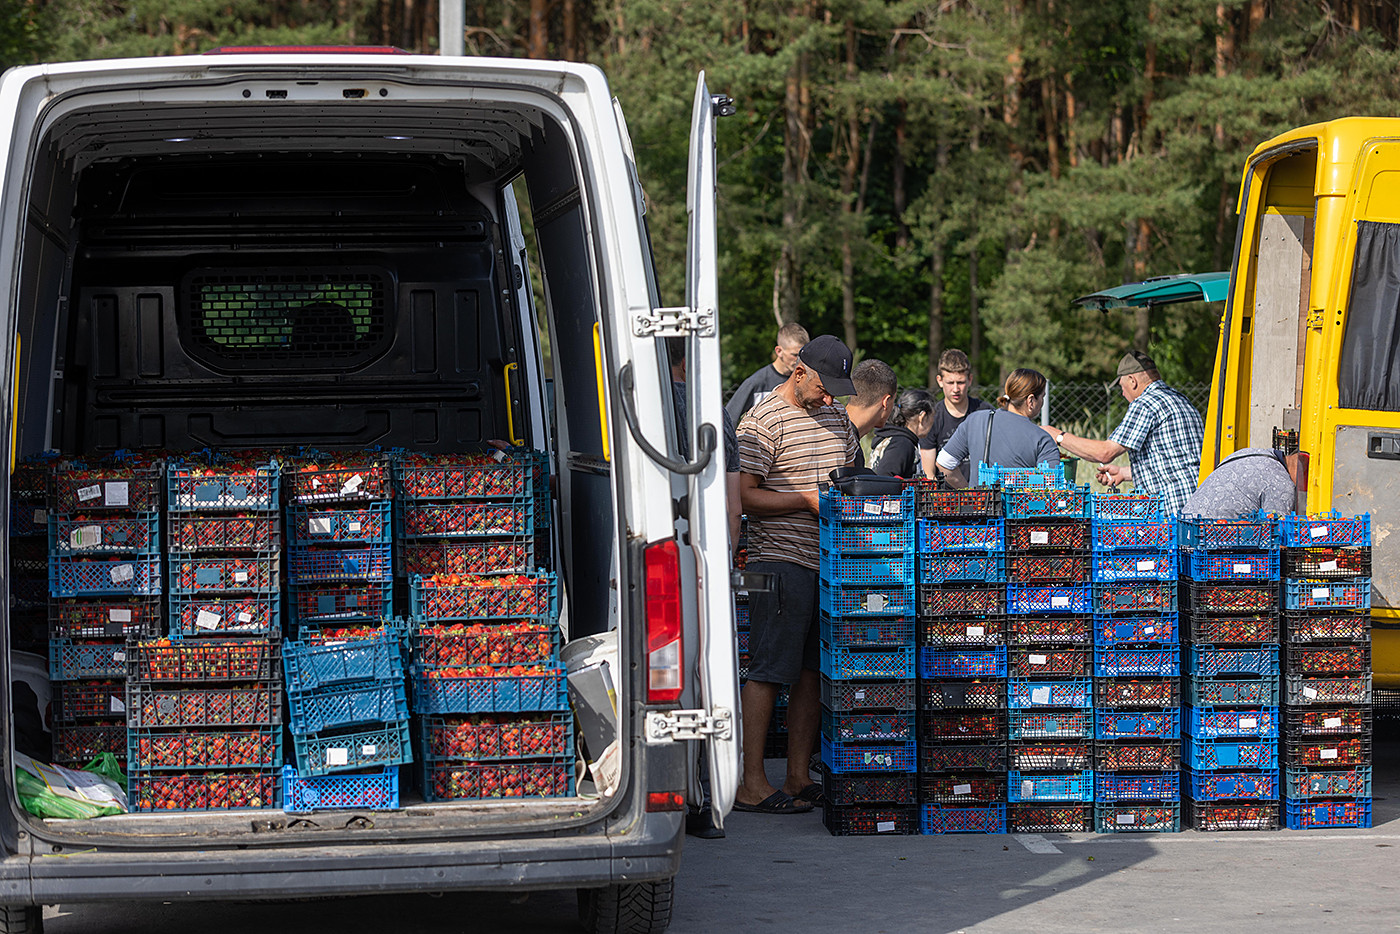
x,y
896,444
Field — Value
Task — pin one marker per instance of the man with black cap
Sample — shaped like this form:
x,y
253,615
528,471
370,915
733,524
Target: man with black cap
x,y
788,444
1162,433
1248,481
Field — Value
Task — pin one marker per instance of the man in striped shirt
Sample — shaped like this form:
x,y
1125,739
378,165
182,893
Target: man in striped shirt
x,y
788,444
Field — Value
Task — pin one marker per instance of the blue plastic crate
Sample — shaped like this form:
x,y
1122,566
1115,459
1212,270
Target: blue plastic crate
x,y
1134,598
1250,785
955,663
304,793
1043,474
836,506
1029,786
320,754
867,569
1260,533
105,533
1137,817
225,614
1037,598
200,574
1024,695
1215,754
486,476
308,667
1125,786
310,564
942,818
1329,529
199,487
843,664
1137,724
1226,692
1304,783
352,704
1219,722
368,524
70,661
945,568
1158,661
1311,595
1145,534
859,600
88,577
1212,661
1111,630
1230,566
1111,566
533,597
536,693
862,537
1315,815
1127,506
1053,502
892,757
891,631
936,536
1050,724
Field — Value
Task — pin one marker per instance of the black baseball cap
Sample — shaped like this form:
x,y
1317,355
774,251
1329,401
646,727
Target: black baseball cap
x,y
830,359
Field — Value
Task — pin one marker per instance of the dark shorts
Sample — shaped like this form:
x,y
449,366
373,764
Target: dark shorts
x,y
783,633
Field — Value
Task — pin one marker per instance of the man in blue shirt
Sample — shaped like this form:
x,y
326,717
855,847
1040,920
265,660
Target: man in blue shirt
x,y
1162,433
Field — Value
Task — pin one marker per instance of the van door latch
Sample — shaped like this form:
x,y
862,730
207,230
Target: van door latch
x,y
664,726
674,322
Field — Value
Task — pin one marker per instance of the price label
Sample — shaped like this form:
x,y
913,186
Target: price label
x,y
1327,753
884,826
1327,566
353,526
118,493
1028,789
369,749
1059,601
245,617
1148,630
353,484
893,507
1040,695
1331,723
88,493
875,602
240,577
976,630
41,516
1318,531
117,615
1321,593
1147,565
1126,818
1310,693
962,789
122,573
119,656
860,695
870,508
319,525
337,755
1038,659
117,705
85,536
1040,537
207,620
1248,723
1243,568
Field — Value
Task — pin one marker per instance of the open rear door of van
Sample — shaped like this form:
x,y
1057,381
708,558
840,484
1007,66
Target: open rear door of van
x,y
716,659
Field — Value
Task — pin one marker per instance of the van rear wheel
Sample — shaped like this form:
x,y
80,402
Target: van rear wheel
x,y
634,908
21,919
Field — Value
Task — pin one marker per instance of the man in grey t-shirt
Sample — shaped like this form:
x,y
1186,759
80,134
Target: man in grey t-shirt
x,y
1246,482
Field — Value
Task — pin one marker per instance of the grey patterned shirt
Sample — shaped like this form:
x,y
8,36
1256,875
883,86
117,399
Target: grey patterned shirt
x,y
1249,480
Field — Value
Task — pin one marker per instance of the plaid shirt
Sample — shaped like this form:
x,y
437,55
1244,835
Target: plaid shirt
x,y
1163,433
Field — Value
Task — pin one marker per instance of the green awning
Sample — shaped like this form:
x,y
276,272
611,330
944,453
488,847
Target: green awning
x,y
1162,290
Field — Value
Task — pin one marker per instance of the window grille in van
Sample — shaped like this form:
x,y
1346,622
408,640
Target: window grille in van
x,y
306,318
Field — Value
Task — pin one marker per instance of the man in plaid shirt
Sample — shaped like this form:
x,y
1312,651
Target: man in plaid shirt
x,y
1162,433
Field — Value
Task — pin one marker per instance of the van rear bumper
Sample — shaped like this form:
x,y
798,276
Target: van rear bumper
x,y
651,849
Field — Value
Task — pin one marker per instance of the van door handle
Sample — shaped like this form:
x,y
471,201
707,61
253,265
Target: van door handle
x,y
706,440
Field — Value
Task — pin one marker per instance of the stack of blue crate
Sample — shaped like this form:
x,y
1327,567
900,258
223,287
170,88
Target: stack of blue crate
x,y
866,606
1327,657
962,660
1230,584
1137,665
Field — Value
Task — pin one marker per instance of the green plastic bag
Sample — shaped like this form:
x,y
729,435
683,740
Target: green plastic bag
x,y
53,791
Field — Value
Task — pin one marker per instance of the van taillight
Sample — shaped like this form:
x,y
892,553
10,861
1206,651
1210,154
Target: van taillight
x,y
663,596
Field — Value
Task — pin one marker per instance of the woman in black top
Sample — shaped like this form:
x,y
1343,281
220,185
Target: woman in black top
x,y
896,450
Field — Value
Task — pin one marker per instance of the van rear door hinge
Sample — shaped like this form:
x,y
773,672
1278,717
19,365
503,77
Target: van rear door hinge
x,y
674,322
664,726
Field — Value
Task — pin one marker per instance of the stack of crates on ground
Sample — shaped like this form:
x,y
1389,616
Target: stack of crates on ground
x,y
1050,784
1230,591
1327,662
1137,666
104,525
866,607
29,555
487,680
775,744
339,534
961,569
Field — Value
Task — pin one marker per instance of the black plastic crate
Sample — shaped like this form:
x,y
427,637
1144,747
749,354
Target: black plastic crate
x,y
1048,756
1041,662
984,694
1048,535
962,630
1340,752
937,756
1145,693
962,788
933,503
1303,722
1050,629
1044,567
871,820
1302,626
1137,756
1326,563
1230,815
1049,818
869,695
1251,627
962,726
1310,660
983,600
869,788
1209,597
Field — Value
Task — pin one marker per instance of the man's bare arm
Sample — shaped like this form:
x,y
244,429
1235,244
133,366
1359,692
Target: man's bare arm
x,y
760,502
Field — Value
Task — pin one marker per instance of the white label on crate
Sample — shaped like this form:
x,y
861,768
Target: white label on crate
x,y
119,616
86,493
352,484
1331,723
1321,593
1243,568
1040,537
1310,693
1059,601
1147,565
319,525
884,826
353,526
41,516
1028,789
119,656
1040,695
1037,659
962,789
870,508
117,705
1327,753
240,577
315,482
860,695
1248,723
976,630
1148,630
245,617
1327,566
85,536
1061,504
1126,818
337,755
369,749
122,573
892,507
118,493
1318,531
207,620
875,602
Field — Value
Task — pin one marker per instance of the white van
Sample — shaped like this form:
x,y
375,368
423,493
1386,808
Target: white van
x,y
135,190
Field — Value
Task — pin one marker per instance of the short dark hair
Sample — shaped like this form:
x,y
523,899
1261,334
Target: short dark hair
x,y
874,380
953,360
675,350
910,404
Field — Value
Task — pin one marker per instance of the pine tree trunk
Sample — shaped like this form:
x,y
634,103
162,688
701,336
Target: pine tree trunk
x,y
938,249
849,209
571,52
900,194
538,43
788,279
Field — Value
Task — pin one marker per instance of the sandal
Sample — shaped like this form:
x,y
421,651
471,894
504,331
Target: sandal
x,y
776,803
812,794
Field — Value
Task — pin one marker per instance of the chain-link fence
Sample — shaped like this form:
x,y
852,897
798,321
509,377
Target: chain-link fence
x,y
1091,411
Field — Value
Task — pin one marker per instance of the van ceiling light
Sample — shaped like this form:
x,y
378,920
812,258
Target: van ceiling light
x,y
178,139
398,137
